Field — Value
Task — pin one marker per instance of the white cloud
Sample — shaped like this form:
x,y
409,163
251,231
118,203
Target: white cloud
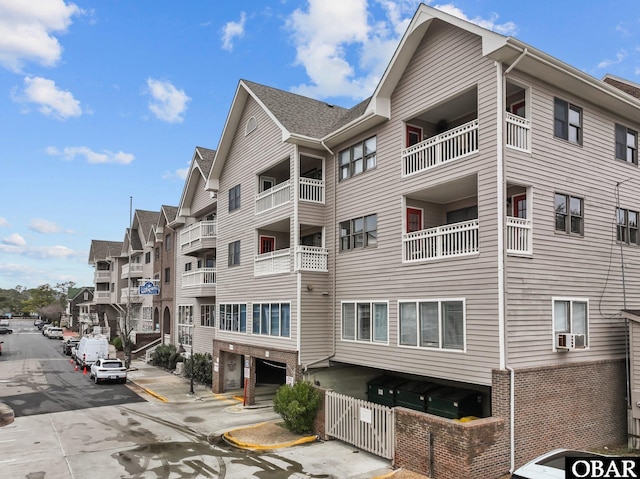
x,y
168,103
40,225
3,222
329,33
69,153
27,31
14,240
620,56
52,102
233,30
508,28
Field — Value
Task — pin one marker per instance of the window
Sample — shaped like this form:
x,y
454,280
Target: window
x,y
365,321
626,144
627,226
167,275
234,198
167,242
147,257
357,158
187,266
571,316
234,253
252,124
569,214
156,256
567,121
432,324
207,315
233,317
147,318
185,324
359,233
272,319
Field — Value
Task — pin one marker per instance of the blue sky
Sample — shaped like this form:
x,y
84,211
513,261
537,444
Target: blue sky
x,y
103,101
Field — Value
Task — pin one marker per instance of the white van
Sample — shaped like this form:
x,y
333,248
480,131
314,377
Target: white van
x,y
90,349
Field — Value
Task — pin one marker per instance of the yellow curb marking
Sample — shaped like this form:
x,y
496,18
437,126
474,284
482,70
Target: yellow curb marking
x,y
155,395
259,447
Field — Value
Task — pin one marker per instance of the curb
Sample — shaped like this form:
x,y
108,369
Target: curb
x,y
263,447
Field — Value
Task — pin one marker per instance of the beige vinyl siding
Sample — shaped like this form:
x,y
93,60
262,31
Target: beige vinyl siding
x,y
564,265
447,62
201,199
248,156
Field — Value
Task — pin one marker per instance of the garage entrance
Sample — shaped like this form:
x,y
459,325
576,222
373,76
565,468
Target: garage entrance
x,y
270,373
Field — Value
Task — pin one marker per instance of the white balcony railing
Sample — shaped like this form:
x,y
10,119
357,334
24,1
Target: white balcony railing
x,y
127,294
102,276
312,190
131,268
275,262
311,258
519,232
518,132
276,196
457,239
448,146
102,295
194,233
200,277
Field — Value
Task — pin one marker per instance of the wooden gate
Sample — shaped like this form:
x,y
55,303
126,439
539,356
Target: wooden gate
x,y
364,424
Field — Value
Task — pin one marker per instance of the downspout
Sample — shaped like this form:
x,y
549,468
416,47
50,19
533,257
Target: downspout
x,y
333,279
500,193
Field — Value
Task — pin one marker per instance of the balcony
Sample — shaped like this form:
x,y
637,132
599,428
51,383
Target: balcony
x,y
130,295
102,297
518,132
102,276
519,233
457,239
311,258
451,145
198,237
275,262
312,190
273,197
131,269
199,283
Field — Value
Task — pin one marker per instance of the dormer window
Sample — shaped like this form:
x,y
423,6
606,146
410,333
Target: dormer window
x,y
252,124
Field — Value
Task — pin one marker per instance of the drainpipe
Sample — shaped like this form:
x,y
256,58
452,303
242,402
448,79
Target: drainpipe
x,y
502,256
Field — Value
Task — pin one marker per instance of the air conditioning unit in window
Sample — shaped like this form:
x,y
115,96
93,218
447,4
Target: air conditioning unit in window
x,y
569,341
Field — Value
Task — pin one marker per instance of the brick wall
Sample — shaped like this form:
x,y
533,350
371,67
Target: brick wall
x,y
578,406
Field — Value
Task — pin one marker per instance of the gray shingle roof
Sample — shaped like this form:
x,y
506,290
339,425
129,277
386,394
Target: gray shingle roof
x,y
170,212
205,159
299,114
101,250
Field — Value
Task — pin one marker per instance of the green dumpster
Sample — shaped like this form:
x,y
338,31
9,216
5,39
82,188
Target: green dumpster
x,y
455,403
414,394
382,390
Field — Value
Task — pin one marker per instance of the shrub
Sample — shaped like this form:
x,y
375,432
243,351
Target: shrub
x,y
117,343
162,354
297,405
202,368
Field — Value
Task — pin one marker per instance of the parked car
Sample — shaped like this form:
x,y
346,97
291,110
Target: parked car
x,y
68,344
45,330
4,322
55,333
549,465
108,370
43,325
1,347
5,330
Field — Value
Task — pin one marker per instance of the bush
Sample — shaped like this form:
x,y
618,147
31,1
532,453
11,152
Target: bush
x,y
117,343
162,356
202,366
297,405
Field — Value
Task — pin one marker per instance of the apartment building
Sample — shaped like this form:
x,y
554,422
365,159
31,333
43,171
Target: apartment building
x,y
105,257
163,265
465,225
195,276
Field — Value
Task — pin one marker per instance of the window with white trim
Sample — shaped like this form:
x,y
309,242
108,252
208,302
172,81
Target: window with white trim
x,y
357,158
272,319
207,315
147,318
233,317
571,315
234,198
234,253
185,324
569,214
365,321
438,324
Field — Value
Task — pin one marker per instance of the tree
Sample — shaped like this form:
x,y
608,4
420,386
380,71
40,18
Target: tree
x,y
39,297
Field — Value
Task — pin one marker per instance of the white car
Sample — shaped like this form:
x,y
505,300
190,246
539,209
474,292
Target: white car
x,y
4,322
107,369
549,465
55,333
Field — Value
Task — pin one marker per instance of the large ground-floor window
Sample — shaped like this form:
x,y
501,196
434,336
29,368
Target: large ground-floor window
x,y
432,323
365,321
272,319
185,324
233,317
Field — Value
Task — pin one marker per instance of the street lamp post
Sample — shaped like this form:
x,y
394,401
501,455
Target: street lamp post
x,y
192,370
